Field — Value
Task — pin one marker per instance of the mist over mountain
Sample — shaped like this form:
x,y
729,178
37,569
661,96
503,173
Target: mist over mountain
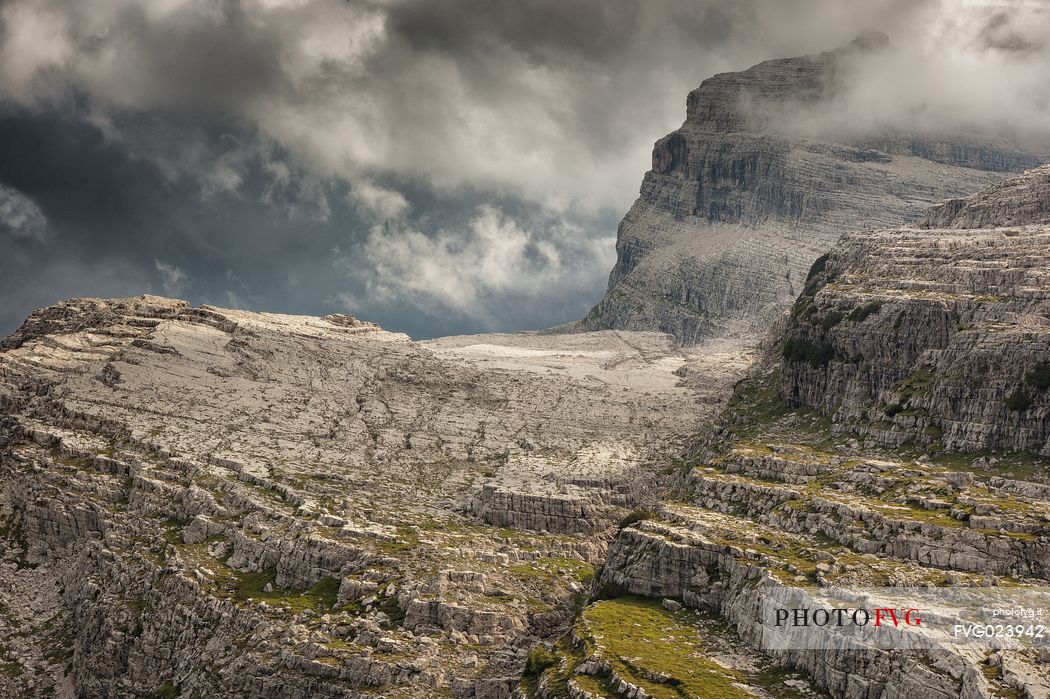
x,y
772,165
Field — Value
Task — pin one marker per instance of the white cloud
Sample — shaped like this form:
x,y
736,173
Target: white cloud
x,y
172,279
345,301
480,269
979,72
20,217
561,110
377,202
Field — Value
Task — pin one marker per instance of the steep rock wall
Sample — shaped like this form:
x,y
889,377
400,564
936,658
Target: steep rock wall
x,y
934,336
738,202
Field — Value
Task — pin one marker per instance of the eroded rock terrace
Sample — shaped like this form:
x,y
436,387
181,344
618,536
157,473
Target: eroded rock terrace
x,y
215,502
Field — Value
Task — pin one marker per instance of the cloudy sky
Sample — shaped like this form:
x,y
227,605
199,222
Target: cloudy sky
x,y
438,166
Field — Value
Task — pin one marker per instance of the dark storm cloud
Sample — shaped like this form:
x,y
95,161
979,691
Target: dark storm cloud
x,y
116,222
436,166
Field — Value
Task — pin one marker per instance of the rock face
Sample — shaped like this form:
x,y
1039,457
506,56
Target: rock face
x,y
1017,201
738,203
937,335
688,562
837,464
207,502
834,473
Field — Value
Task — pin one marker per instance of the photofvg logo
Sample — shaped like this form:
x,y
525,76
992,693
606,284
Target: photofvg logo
x,y
878,617
902,618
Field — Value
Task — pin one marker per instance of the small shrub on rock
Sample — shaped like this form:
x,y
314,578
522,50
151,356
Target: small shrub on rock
x,y
1039,376
635,516
831,320
1018,401
818,265
802,350
861,313
539,659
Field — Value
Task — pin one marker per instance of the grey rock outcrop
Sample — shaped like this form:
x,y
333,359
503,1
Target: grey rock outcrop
x,y
938,337
676,561
210,502
739,202
1017,201
834,466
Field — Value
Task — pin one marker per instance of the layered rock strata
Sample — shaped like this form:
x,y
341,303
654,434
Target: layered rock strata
x,y
742,197
772,518
937,335
892,437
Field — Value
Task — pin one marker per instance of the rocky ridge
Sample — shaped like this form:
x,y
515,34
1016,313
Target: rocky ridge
x,y
937,335
739,201
202,502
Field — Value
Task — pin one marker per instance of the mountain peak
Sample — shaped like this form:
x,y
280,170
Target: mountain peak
x,y
740,200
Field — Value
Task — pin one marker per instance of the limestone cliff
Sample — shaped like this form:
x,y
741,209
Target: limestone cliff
x,y
739,202
937,335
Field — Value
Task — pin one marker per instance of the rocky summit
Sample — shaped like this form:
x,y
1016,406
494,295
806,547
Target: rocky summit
x,y
206,502
742,198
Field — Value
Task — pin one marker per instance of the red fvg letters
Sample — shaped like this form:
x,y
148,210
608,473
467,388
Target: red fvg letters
x,y
880,613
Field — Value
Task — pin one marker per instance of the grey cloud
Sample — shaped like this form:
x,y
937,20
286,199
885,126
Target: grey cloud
x,y
979,73
173,279
467,160
20,217
378,202
482,269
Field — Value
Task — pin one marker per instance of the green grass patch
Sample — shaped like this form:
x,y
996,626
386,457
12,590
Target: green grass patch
x,y
756,411
11,669
758,398
550,569
173,530
640,639
598,685
913,384
1010,464
165,691
321,597
408,539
